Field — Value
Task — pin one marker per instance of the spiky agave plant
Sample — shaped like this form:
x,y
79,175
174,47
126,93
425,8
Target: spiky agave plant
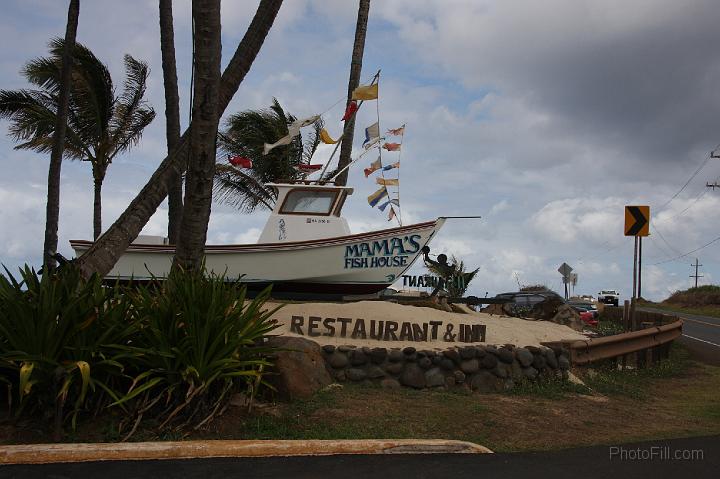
x,y
199,339
61,340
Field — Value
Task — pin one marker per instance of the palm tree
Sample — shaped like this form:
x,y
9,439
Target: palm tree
x,y
52,211
100,125
172,114
190,249
245,134
104,253
353,82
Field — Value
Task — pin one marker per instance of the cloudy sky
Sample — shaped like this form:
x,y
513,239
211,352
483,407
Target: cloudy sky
x,y
545,118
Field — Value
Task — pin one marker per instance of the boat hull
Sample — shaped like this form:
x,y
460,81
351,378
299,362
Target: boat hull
x,y
356,264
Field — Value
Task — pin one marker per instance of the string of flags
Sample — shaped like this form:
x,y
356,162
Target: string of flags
x,y
372,139
293,131
372,136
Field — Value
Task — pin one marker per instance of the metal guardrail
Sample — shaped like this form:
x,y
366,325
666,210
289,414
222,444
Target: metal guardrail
x,y
607,347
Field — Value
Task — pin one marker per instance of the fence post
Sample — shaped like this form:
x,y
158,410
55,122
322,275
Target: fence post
x,y
626,315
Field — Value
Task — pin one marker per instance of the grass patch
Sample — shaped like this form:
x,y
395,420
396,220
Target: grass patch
x,y
712,311
549,388
634,383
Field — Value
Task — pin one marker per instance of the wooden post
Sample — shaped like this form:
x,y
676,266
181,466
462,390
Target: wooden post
x,y
626,315
639,276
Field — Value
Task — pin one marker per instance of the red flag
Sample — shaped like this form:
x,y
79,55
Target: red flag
x,y
351,109
307,168
392,146
240,161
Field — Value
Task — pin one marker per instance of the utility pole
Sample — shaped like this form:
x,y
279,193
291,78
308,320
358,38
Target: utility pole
x,y
696,276
639,286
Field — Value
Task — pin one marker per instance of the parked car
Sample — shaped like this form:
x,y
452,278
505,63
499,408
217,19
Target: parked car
x,y
588,318
581,306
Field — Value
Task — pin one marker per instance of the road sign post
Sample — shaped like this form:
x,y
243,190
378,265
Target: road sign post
x,y
637,224
565,270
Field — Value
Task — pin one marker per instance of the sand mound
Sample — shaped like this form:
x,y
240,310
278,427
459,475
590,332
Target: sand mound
x,y
330,319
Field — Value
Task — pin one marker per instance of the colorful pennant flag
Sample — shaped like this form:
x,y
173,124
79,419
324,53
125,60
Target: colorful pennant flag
x,y
377,196
390,202
391,215
326,138
350,110
374,166
293,131
366,92
390,167
387,181
240,161
397,131
303,168
372,142
392,146
372,132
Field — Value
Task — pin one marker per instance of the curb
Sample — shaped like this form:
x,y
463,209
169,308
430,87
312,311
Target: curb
x,y
138,451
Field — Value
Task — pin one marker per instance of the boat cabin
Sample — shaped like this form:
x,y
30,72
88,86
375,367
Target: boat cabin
x,y
306,211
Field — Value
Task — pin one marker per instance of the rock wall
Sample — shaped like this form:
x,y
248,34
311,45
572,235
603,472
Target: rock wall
x,y
479,368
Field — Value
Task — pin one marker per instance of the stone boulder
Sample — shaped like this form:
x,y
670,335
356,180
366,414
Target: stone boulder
x,y
299,368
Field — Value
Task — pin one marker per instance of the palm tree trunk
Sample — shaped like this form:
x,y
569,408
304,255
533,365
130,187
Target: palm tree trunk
x,y
104,253
172,114
98,178
355,70
190,249
52,213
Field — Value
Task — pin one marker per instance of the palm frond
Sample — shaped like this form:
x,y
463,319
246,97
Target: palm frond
x,y
241,190
33,116
132,113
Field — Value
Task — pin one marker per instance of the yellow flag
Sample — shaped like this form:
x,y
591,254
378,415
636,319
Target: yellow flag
x,y
387,181
325,137
367,92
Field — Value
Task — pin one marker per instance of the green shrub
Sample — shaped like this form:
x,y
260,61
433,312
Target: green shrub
x,y
198,339
707,295
60,342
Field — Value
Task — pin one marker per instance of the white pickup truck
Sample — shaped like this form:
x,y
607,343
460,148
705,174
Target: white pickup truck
x,y
609,296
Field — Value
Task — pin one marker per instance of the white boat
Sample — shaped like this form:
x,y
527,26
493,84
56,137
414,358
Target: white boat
x,y
305,247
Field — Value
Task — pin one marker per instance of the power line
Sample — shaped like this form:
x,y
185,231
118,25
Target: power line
x,y
707,159
688,253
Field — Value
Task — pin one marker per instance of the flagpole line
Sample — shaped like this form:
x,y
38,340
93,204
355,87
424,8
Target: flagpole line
x,y
337,145
349,164
382,169
402,139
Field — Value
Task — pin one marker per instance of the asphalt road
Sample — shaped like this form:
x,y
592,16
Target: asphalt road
x,y
586,463
701,335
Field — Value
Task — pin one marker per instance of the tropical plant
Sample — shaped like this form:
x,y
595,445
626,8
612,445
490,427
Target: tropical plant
x,y
52,214
172,114
100,124
104,253
245,135
458,284
61,342
198,337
